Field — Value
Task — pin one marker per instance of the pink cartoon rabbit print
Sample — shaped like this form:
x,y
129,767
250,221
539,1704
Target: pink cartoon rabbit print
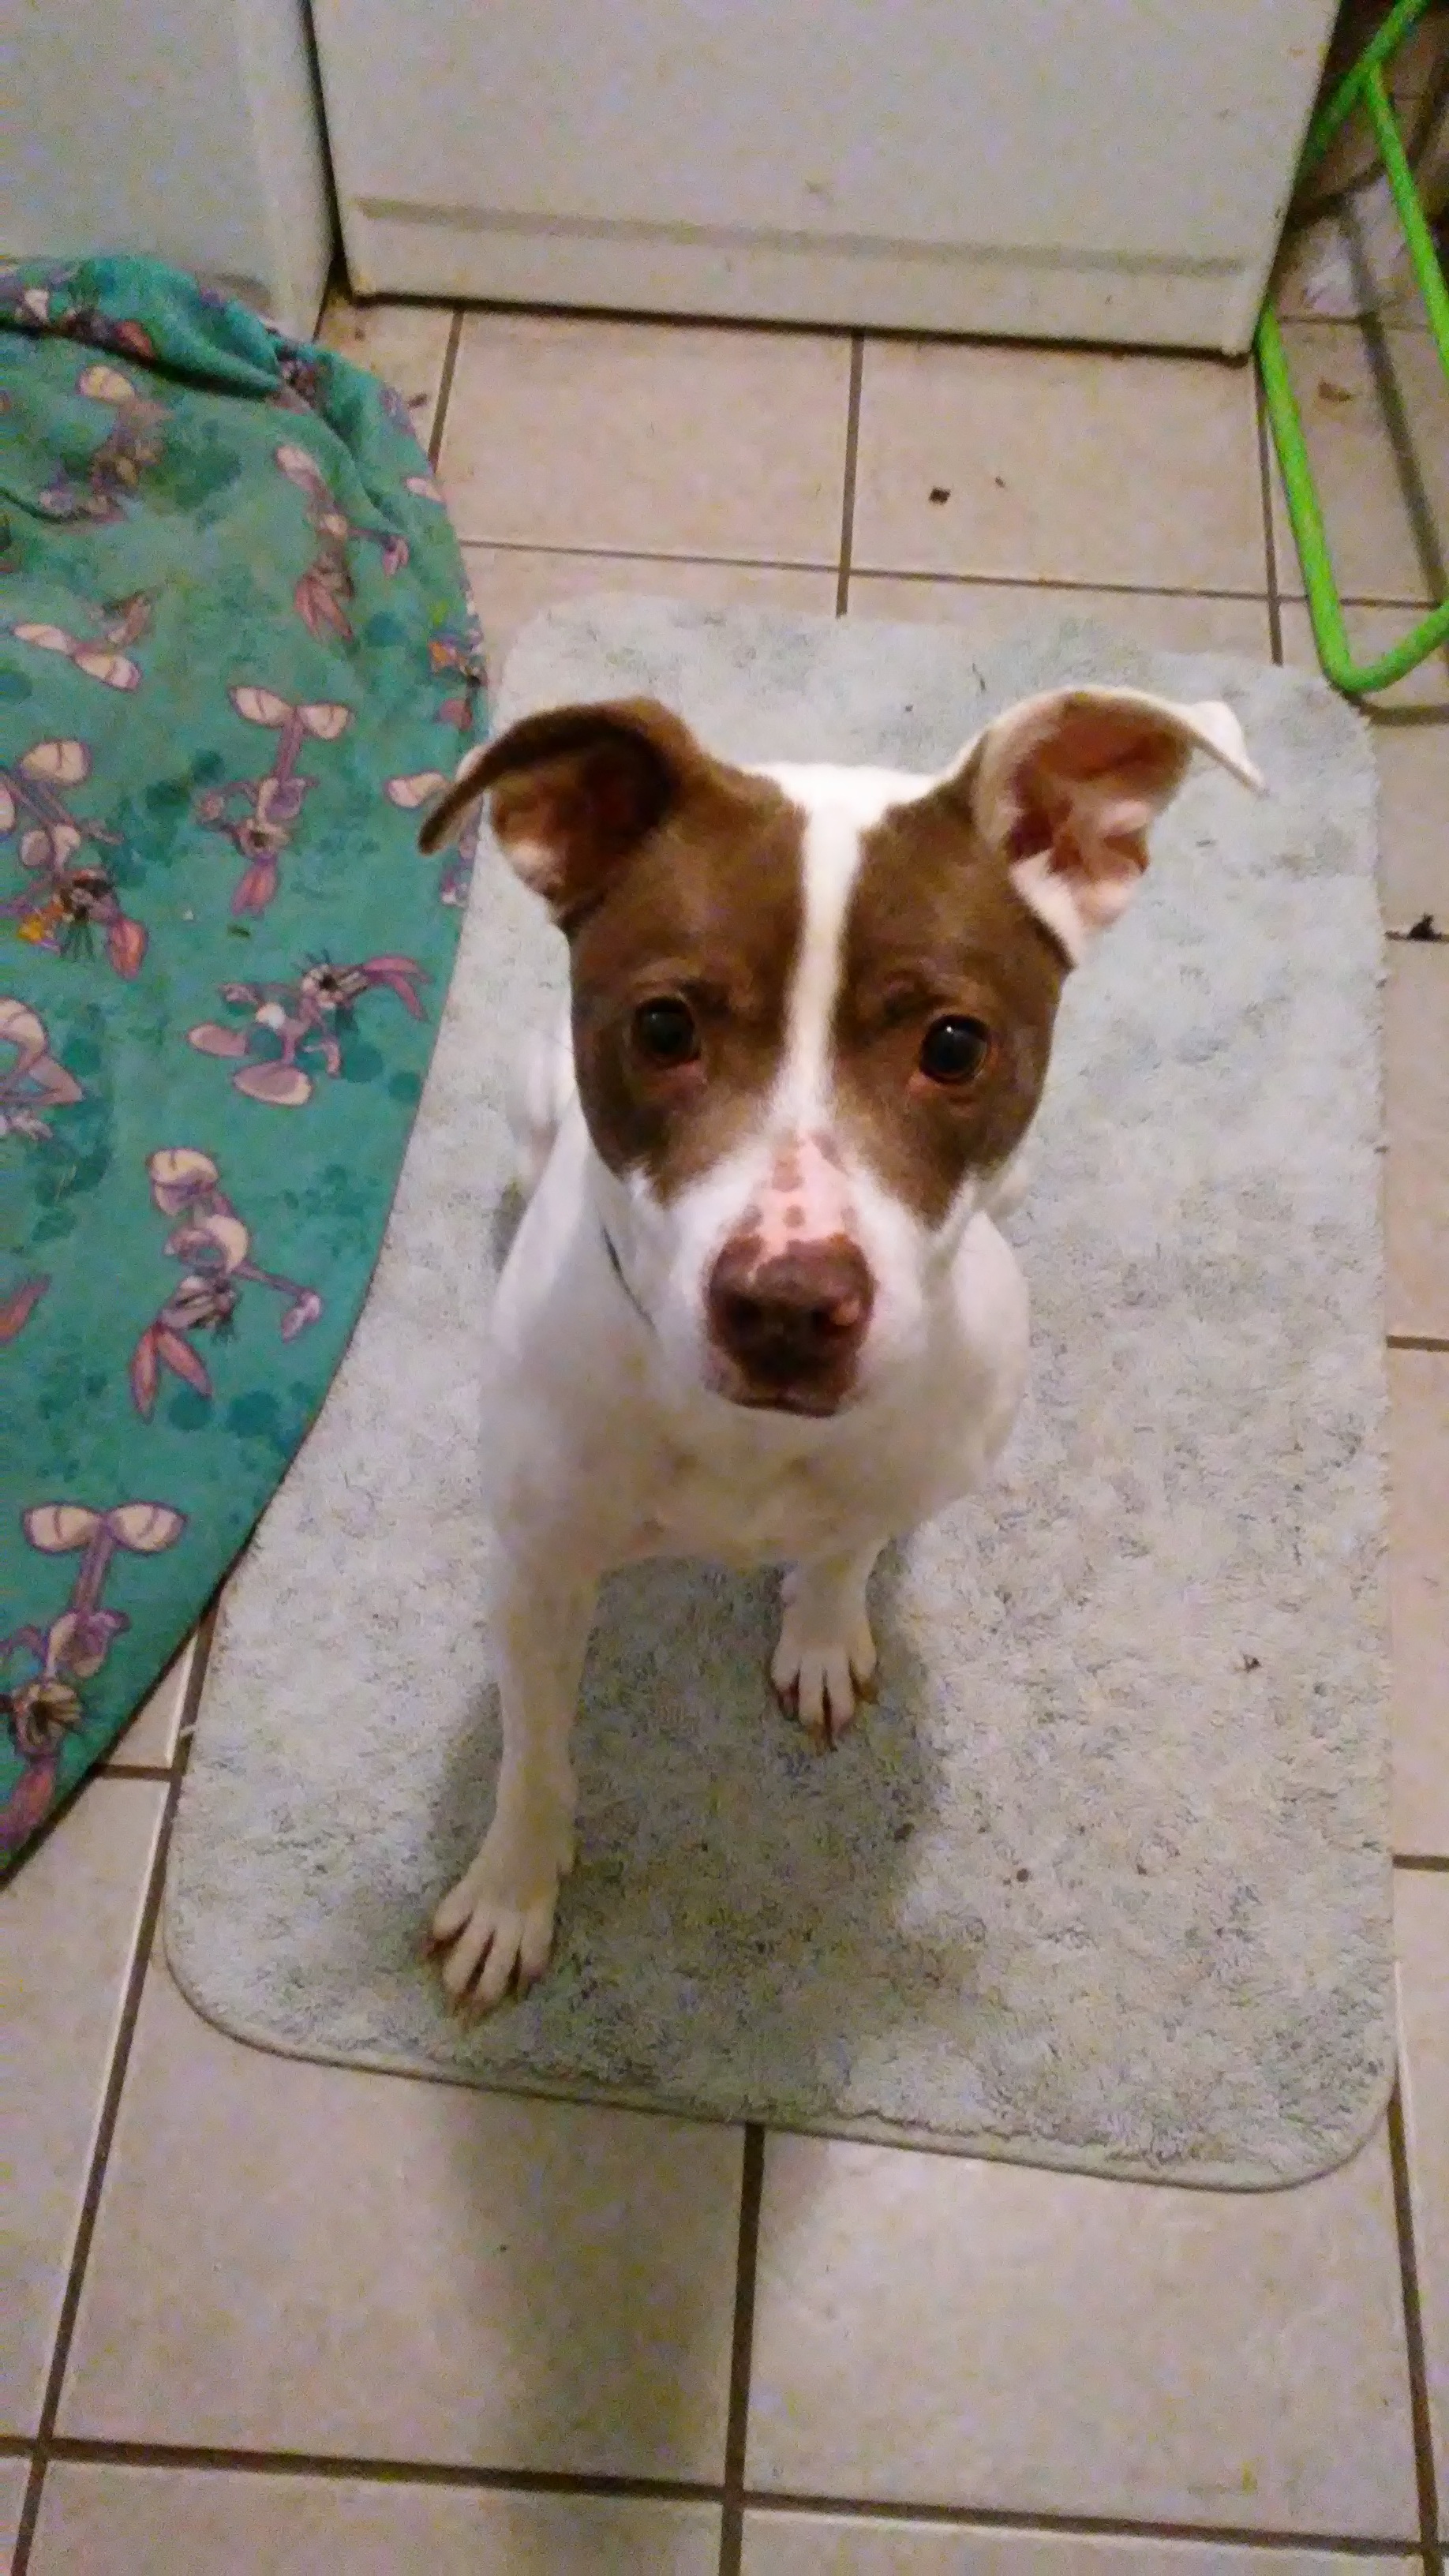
x,y
258,815
73,896
299,1024
215,1244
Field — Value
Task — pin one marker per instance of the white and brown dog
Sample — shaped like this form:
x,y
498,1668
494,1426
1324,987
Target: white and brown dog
x,y
757,1308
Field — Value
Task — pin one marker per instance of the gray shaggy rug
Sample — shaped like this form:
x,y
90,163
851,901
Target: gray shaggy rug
x,y
1102,1880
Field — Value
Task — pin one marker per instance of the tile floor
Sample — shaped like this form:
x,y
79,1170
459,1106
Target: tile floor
x,y
270,2316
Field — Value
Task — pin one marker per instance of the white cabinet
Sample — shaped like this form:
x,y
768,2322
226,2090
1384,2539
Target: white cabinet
x,y
1083,169
187,129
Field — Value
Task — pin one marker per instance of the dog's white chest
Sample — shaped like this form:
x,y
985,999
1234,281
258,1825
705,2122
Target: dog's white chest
x,y
695,1509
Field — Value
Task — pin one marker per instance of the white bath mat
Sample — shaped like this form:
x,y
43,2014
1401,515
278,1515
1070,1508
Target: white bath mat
x,y
1102,1880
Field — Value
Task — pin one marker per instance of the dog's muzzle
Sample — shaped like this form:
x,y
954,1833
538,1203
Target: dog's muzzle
x,y
788,1331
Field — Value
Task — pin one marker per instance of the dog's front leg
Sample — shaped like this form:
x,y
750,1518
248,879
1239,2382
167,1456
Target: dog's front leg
x,y
495,1927
825,1660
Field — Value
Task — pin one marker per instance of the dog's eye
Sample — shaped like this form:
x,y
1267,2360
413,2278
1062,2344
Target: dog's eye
x,y
953,1050
664,1032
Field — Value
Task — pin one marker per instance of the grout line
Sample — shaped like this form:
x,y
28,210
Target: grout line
x,y
869,572
852,450
742,2345
1389,322
505,308
445,387
1265,495
1080,2525
1366,599
133,1771
1112,589
111,2102
902,573
741,326
79,2452
645,554
1414,2339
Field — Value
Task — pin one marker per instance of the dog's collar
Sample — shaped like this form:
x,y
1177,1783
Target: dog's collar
x,y
617,1266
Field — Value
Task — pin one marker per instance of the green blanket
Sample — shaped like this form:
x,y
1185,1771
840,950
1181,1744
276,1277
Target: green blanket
x,y
236,655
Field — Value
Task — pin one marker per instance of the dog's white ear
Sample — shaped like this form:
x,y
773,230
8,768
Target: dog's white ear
x,y
1066,786
571,792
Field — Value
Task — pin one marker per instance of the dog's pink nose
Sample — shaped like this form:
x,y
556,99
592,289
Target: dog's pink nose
x,y
792,1324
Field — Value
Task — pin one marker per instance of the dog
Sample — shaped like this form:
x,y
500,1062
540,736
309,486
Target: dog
x,y
758,1307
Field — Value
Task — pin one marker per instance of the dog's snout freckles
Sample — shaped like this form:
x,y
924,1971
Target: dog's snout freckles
x,y
790,1293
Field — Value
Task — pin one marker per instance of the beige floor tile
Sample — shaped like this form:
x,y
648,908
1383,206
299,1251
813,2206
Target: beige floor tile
x,y
405,344
1410,725
1419,1598
218,2522
1058,465
150,1739
295,2257
67,1928
930,2330
511,584
823,2544
1171,621
1375,410
14,2475
1416,1191
1421,1910
648,437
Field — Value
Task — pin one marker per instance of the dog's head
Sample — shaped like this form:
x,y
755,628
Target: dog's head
x,y
812,1007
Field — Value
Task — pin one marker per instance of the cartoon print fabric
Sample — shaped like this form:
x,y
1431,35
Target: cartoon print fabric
x,y
236,654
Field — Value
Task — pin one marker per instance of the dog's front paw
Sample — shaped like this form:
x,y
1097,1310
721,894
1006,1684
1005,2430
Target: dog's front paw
x,y
821,1668
494,1929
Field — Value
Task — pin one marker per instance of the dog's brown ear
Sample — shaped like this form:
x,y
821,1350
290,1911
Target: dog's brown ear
x,y
573,791
1065,787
